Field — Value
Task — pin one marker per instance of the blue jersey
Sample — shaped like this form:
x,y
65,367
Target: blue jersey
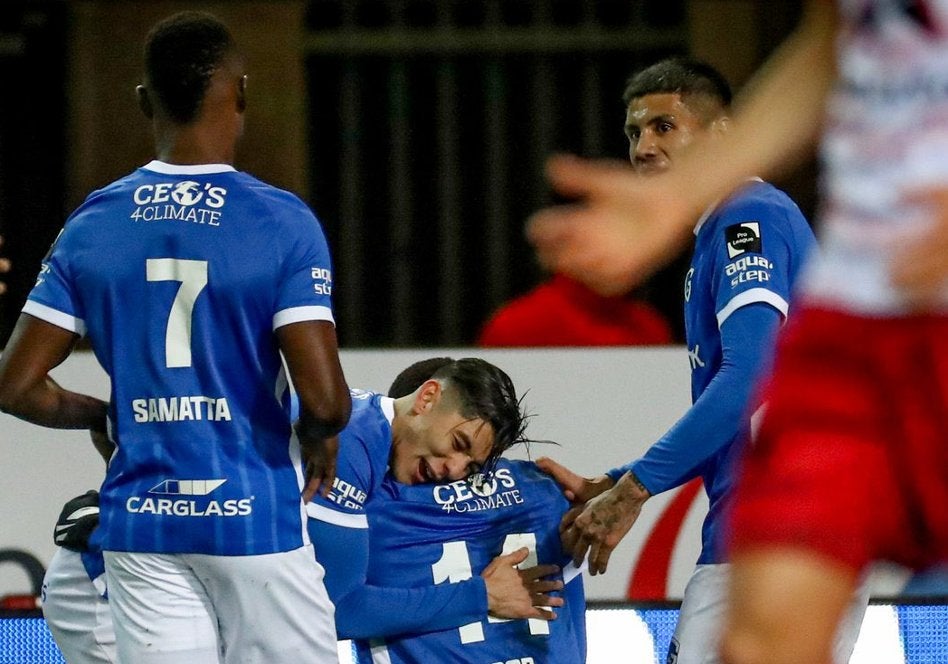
x,y
748,255
338,527
180,275
447,533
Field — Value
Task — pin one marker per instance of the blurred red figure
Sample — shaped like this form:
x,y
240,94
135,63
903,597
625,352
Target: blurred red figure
x,y
562,312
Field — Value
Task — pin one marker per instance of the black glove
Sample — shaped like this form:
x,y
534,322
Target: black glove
x,y
79,518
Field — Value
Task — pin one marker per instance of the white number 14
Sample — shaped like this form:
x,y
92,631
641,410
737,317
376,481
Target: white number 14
x,y
455,566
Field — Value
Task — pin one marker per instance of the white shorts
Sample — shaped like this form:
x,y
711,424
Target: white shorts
x,y
77,615
697,634
203,609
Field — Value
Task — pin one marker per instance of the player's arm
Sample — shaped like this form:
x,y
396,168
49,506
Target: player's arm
x,y
624,226
712,421
312,357
27,391
364,611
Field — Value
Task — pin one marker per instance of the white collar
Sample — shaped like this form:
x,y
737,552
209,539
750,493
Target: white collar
x,y
187,169
388,408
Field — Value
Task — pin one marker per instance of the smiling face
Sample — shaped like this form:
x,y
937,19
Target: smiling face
x,y
658,127
432,441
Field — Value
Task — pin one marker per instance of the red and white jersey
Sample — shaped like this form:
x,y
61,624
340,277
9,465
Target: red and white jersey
x,y
887,134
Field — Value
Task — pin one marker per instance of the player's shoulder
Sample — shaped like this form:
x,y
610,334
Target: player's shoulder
x,y
283,204
370,420
763,203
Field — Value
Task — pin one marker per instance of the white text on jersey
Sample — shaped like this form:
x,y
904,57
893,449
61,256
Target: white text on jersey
x,y
181,409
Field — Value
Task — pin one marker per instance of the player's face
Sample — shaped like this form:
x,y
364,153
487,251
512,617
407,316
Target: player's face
x,y
658,127
438,444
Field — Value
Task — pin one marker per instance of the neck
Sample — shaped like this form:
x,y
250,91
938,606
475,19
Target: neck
x,y
193,144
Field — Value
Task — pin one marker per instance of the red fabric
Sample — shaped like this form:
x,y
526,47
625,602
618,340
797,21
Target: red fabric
x,y
562,312
852,456
649,580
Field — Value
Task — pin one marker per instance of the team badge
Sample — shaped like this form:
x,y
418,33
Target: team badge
x,y
743,238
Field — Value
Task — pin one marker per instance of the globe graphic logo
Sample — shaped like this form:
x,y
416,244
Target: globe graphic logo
x,y
187,193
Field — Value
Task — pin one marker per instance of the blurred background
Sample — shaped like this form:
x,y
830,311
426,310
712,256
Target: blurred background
x,y
415,129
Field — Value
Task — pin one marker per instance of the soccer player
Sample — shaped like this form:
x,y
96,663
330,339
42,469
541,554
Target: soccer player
x,y
454,425
749,249
850,464
450,532
189,278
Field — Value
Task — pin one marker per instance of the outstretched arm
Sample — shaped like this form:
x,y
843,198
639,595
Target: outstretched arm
x,y
624,226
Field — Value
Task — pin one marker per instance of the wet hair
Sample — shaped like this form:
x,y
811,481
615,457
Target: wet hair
x,y
182,52
414,376
485,392
697,82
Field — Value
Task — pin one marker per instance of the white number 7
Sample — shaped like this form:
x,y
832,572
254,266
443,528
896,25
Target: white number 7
x,y
193,278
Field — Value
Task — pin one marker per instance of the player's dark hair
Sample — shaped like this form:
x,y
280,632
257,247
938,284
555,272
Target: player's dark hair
x,y
182,52
485,392
684,76
413,376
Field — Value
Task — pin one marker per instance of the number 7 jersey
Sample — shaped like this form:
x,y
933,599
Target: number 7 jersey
x,y
180,275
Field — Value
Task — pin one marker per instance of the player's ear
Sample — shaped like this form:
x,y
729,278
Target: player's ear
x,y
144,101
427,396
721,124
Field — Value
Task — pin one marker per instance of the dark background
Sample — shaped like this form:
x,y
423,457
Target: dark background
x,y
416,129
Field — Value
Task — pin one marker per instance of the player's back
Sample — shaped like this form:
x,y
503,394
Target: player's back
x,y
180,274
449,532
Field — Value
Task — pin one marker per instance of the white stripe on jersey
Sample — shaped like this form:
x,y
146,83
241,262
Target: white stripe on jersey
x,y
750,297
56,317
344,519
299,314
380,654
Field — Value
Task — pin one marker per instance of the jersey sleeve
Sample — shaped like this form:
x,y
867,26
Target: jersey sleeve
x,y
713,422
365,611
753,252
54,298
305,290
345,503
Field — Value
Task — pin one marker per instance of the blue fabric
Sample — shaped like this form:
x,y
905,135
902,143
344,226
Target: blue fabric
x,y
205,460
451,532
748,256
337,528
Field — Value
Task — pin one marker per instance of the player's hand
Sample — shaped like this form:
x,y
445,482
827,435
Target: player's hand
x,y
576,488
78,518
622,229
517,594
102,443
319,462
598,527
920,268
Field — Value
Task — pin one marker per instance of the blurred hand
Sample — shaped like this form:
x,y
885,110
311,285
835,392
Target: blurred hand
x,y
576,488
319,463
598,527
516,594
920,268
624,227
